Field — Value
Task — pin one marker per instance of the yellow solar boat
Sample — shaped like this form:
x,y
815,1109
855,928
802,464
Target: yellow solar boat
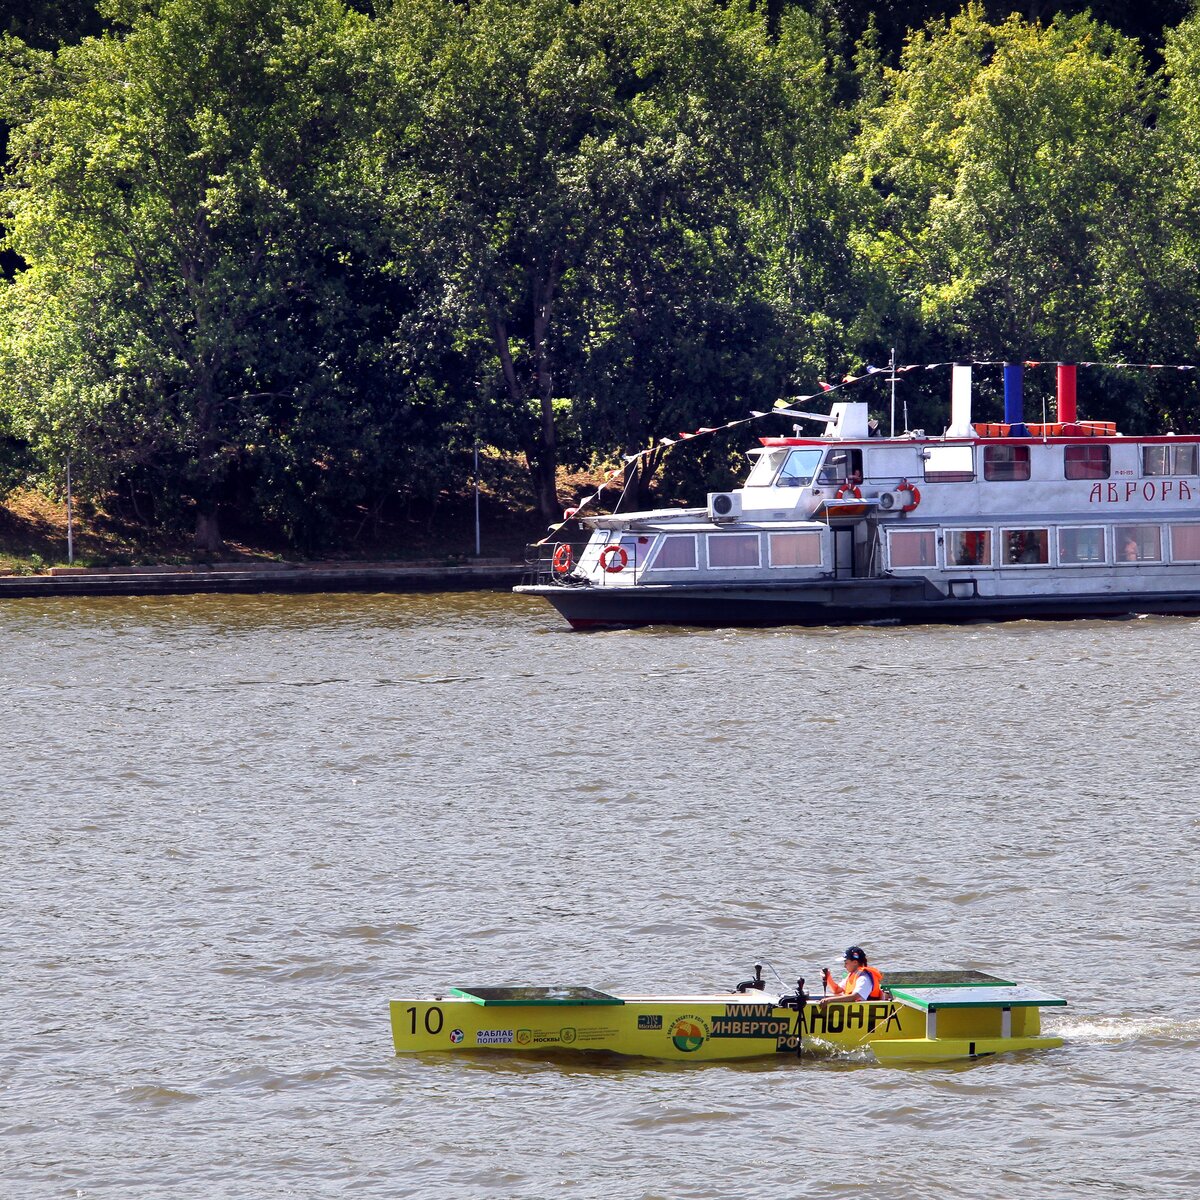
x,y
924,1016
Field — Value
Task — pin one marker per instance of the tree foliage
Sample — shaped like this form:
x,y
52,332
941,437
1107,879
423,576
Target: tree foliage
x,y
581,174
1002,164
1015,189
279,258
183,206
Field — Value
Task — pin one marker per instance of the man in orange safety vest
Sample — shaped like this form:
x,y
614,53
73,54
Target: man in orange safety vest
x,y
862,982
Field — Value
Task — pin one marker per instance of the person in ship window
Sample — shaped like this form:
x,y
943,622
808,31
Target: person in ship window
x,y
834,470
1032,551
862,982
1130,552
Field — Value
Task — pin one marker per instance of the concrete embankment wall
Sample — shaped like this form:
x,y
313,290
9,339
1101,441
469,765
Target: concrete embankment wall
x,y
242,577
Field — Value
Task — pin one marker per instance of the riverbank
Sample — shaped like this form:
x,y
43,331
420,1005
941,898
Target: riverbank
x,y
114,557
482,574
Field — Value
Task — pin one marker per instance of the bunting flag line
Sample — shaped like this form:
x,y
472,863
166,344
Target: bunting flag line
x,y
783,407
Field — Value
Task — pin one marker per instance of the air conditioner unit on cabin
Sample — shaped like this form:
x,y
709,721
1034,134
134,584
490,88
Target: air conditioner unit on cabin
x,y
724,506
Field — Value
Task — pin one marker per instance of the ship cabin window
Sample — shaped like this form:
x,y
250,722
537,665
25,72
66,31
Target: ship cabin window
x,y
1086,462
1081,546
968,547
842,466
1185,543
766,466
949,464
676,552
1025,547
1138,543
909,548
794,549
1003,464
784,467
1169,460
728,550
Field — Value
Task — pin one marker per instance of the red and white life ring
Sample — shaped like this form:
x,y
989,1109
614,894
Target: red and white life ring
x,y
562,559
905,486
848,489
614,552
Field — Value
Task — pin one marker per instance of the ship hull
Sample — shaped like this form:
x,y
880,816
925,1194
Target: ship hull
x,y
711,1028
851,603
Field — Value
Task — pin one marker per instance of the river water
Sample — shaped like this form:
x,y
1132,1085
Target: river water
x,y
232,828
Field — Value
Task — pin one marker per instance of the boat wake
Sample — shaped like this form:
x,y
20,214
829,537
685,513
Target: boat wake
x,y
815,1047
1111,1031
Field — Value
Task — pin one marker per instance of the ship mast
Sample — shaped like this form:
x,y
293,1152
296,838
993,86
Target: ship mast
x,y
892,431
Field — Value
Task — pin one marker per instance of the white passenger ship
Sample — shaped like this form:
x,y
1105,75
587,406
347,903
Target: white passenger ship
x,y
985,522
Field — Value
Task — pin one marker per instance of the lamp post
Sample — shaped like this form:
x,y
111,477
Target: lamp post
x,y
478,541
70,517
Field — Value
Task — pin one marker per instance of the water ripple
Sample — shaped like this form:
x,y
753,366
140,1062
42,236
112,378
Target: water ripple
x,y
233,827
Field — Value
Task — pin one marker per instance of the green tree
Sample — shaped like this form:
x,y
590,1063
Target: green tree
x,y
827,292
896,19
1158,298
683,323
1004,172
1177,267
581,173
188,212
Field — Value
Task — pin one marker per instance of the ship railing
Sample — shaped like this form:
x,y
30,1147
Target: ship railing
x,y
553,563
556,564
